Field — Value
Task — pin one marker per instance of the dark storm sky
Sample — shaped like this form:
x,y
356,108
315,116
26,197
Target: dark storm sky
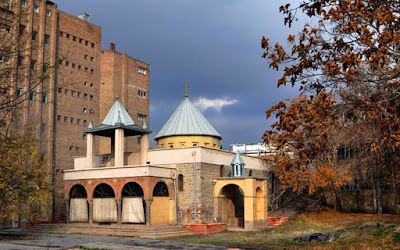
x,y
213,45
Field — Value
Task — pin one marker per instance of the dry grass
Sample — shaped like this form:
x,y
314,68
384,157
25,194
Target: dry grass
x,y
327,220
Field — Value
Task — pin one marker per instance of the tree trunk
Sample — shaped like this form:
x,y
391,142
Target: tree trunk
x,y
378,194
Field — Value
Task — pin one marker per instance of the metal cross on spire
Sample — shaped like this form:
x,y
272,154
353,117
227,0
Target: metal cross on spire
x,y
186,87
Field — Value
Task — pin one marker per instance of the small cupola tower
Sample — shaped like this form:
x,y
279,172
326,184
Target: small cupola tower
x,y
237,166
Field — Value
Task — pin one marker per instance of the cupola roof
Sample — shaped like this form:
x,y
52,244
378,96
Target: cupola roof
x,y
117,117
187,120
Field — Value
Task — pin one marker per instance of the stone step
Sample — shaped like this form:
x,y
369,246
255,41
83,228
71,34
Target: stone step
x,y
124,230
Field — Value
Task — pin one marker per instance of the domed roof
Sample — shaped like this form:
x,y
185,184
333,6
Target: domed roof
x,y
187,120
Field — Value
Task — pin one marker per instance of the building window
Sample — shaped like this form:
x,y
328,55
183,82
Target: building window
x,y
142,70
19,61
45,69
180,182
46,39
86,56
67,35
80,40
78,121
141,93
92,45
48,12
66,91
86,43
72,93
4,91
345,153
74,38
33,64
19,92
36,8
65,118
5,28
76,149
31,96
91,71
5,59
84,110
141,117
79,67
79,94
91,97
91,85
72,120
58,117
34,35
92,111
21,29
23,3
70,148
84,96
92,59
221,171
44,98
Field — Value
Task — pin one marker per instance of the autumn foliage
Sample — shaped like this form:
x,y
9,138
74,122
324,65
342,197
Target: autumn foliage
x,y
344,128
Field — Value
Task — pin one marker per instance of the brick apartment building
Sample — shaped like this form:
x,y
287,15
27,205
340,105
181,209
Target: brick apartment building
x,y
66,81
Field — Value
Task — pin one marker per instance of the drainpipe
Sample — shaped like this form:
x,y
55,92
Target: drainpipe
x,y
194,188
176,201
215,209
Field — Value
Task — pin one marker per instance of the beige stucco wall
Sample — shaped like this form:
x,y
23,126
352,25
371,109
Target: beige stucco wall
x,y
189,141
201,154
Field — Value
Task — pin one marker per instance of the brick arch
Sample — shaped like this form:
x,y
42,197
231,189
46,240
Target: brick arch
x,y
77,190
123,187
94,183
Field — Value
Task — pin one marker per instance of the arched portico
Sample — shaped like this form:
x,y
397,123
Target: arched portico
x,y
124,194
241,202
133,205
78,205
231,205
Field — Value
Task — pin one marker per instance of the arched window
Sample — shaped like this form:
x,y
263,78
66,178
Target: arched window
x,y
103,191
161,189
132,189
78,191
180,182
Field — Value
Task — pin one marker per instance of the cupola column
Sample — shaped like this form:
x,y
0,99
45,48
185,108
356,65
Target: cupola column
x,y
119,147
90,150
144,148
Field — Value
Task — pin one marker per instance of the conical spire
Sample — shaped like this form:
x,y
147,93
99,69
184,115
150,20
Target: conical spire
x,y
237,159
187,120
118,115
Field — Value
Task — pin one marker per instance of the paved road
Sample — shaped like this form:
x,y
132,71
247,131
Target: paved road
x,y
69,241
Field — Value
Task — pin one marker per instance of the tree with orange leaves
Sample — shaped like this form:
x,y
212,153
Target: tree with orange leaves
x,y
346,65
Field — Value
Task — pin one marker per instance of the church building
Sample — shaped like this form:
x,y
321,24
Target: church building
x,y
188,180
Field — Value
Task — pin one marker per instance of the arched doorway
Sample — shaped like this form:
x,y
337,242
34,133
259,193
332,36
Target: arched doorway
x,y
231,206
161,206
132,203
104,204
78,206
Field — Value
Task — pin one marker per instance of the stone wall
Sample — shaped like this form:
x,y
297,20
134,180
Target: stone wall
x,y
206,173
